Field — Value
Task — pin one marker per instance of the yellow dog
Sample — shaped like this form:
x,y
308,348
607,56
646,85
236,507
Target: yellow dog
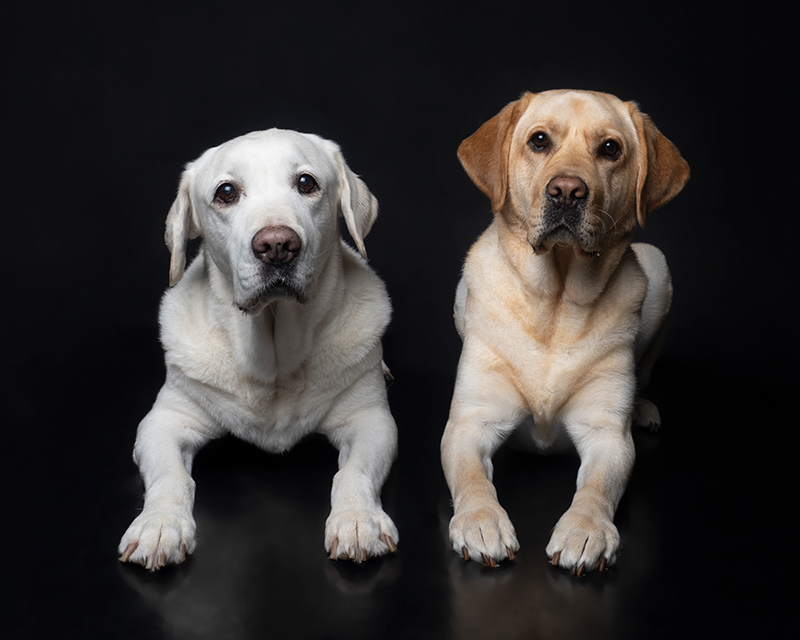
x,y
559,313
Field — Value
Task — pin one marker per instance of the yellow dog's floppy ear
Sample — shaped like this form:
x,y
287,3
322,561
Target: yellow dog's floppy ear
x,y
181,227
356,203
662,170
484,155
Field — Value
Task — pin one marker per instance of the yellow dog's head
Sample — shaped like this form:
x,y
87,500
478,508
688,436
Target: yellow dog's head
x,y
573,167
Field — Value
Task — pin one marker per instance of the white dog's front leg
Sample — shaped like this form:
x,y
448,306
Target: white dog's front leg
x,y
164,533
358,527
585,537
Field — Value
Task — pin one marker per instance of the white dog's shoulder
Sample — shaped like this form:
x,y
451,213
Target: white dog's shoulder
x,y
194,337
368,309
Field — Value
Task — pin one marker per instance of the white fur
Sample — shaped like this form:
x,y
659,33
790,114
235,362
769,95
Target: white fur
x,y
269,369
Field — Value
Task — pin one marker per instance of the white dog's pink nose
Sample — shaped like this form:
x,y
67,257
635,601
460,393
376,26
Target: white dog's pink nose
x,y
276,245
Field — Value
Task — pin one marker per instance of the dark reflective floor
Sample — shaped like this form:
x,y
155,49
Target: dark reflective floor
x,y
109,100
696,523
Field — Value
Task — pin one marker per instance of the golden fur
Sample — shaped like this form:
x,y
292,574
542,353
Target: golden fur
x,y
556,308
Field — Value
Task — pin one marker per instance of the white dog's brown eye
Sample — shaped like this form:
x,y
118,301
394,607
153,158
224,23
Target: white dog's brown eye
x,y
306,183
610,149
226,193
539,141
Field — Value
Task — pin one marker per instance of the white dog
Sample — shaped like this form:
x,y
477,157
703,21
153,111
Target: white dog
x,y
558,311
273,332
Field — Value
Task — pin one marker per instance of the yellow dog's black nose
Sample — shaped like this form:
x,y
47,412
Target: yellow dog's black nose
x,y
567,190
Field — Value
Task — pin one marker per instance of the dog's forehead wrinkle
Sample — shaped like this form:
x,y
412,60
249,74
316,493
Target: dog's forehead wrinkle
x,y
270,154
558,112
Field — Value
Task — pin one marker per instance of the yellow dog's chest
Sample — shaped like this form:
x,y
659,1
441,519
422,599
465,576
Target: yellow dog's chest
x,y
560,356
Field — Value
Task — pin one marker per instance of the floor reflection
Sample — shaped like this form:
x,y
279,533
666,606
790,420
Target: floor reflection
x,y
260,570
260,562
528,597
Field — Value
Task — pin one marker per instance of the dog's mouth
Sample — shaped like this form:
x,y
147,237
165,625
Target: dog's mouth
x,y
275,284
563,234
283,289
277,291
566,226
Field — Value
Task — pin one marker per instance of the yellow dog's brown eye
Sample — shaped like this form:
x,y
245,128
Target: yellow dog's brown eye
x,y
306,183
539,141
610,149
226,193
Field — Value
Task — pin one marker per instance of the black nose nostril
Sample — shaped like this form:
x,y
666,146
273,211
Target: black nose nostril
x,y
567,189
276,245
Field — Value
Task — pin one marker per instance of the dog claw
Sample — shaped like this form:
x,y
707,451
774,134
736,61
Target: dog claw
x,y
510,553
465,553
581,569
387,540
556,558
357,555
126,555
489,561
603,565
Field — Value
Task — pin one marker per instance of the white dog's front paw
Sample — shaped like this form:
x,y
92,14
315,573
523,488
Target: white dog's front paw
x,y
358,535
583,541
156,539
485,534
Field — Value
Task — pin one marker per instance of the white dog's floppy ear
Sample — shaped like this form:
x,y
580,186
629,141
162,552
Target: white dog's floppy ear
x,y
358,206
181,227
662,170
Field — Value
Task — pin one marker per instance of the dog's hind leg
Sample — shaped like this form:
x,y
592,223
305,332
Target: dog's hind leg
x,y
652,328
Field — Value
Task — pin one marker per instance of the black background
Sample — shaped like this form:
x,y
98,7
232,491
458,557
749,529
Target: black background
x,y
104,104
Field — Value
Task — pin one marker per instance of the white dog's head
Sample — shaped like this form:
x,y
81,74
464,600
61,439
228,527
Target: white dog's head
x,y
266,205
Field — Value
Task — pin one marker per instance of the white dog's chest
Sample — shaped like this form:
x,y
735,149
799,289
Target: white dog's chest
x,y
272,416
267,385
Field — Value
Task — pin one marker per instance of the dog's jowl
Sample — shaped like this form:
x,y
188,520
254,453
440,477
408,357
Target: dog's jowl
x,y
273,332
559,313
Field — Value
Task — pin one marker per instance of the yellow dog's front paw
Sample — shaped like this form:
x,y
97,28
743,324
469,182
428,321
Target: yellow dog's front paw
x,y
484,534
583,542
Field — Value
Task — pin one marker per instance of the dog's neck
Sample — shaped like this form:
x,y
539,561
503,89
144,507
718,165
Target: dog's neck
x,y
278,339
562,272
